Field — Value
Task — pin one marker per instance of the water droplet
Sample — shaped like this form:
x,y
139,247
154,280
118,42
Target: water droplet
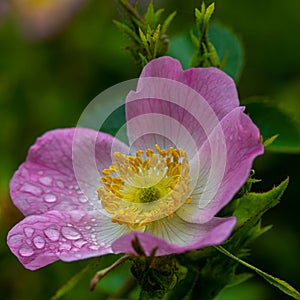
x,y
28,231
26,251
79,243
83,199
60,184
71,187
70,233
32,189
88,227
65,246
52,234
46,180
77,218
94,247
102,244
50,198
39,242
93,236
15,240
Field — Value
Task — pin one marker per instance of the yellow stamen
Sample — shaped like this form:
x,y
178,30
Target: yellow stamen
x,y
138,190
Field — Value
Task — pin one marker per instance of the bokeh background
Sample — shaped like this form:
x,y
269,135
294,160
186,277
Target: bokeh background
x,y
55,58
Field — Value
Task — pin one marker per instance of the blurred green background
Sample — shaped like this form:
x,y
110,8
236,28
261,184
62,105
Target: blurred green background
x,y
47,78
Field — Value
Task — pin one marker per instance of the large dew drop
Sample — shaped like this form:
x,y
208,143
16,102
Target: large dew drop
x,y
52,234
32,189
70,233
26,251
50,198
39,242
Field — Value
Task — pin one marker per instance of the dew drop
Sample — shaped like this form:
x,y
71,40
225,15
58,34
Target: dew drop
x,y
50,198
79,243
102,244
52,234
65,246
32,189
70,233
83,199
26,251
94,247
93,236
39,242
28,231
46,180
71,187
60,184
88,227
15,240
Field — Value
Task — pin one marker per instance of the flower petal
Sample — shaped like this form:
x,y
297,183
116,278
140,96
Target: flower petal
x,y
46,180
40,240
242,145
195,99
177,236
214,85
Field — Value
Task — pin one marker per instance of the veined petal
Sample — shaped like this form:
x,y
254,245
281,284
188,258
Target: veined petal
x,y
196,98
175,235
214,85
46,180
215,187
40,240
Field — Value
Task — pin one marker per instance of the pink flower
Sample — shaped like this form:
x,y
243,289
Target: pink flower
x,y
191,149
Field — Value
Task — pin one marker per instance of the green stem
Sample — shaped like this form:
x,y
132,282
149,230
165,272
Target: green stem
x,y
75,279
100,274
280,284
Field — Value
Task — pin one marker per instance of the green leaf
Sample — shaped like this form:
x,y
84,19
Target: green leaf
x,y
167,22
280,284
75,279
274,120
252,206
238,279
229,49
270,140
227,44
182,48
127,30
182,290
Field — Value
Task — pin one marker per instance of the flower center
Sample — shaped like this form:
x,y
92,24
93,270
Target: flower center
x,y
149,194
137,190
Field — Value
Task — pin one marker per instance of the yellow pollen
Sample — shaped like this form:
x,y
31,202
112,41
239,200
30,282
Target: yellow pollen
x,y
153,184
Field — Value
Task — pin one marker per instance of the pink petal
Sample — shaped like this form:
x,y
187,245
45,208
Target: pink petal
x,y
211,83
40,240
191,236
169,99
46,180
242,145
